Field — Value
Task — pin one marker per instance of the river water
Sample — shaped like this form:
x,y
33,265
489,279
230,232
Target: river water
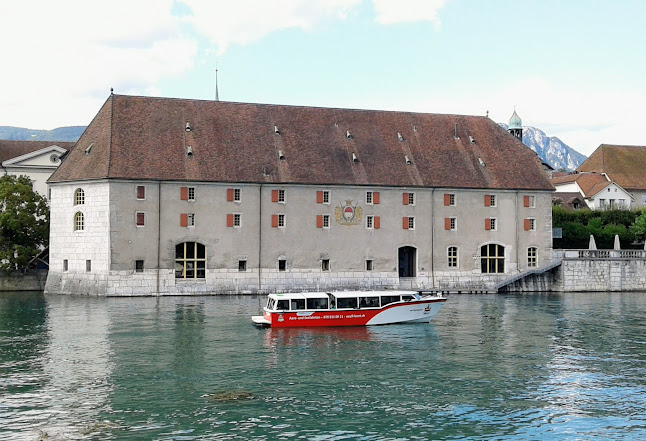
x,y
504,367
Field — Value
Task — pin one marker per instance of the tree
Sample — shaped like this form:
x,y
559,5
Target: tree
x,y
24,222
638,228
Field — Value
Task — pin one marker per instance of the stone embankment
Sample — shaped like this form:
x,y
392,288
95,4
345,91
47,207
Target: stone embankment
x,y
33,280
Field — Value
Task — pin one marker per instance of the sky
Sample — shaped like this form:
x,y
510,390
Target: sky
x,y
574,69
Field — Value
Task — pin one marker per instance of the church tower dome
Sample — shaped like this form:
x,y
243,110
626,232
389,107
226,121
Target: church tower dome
x,y
516,126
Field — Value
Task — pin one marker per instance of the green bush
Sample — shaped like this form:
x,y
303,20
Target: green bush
x,y
578,225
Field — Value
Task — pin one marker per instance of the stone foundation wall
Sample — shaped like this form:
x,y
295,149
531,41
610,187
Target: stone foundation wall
x,y
601,275
32,281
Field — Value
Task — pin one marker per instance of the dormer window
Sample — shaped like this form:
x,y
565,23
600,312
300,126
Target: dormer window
x,y
189,151
348,135
188,127
276,131
400,137
354,158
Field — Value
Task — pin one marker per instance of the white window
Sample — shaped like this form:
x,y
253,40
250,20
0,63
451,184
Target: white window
x,y
190,220
326,196
451,200
369,197
411,198
79,221
492,200
370,222
281,221
140,218
531,201
326,221
79,197
452,257
453,223
492,224
191,193
141,192
281,195
236,195
532,253
411,223
531,223
236,220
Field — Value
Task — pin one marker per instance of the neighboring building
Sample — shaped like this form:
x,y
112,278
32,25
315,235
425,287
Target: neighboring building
x,y
35,159
623,164
570,200
598,191
175,196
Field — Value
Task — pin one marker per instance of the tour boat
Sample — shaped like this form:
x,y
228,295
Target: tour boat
x,y
349,308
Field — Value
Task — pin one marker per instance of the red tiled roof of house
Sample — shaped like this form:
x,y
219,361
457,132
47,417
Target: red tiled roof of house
x,y
145,138
589,183
626,165
13,149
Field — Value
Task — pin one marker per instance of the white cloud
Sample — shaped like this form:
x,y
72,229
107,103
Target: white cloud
x,y
246,21
400,11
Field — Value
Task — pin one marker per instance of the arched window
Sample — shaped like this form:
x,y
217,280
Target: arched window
x,y
492,259
79,197
79,221
532,257
452,257
190,261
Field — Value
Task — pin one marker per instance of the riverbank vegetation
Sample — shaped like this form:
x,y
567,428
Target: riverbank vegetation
x,y
578,225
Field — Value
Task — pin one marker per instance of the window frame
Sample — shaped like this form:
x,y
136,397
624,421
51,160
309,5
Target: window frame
x,y
143,219
198,263
411,198
143,189
190,220
237,220
370,265
370,222
411,222
452,257
79,221
532,257
325,194
190,194
79,197
325,221
369,197
237,195
139,268
282,220
325,265
453,223
281,196
242,265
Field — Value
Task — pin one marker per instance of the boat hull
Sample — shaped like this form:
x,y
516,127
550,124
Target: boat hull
x,y
408,312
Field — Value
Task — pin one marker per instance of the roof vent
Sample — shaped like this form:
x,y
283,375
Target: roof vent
x,y
89,149
408,161
276,131
400,137
348,134
265,172
472,139
281,156
189,151
482,164
354,158
188,127
414,128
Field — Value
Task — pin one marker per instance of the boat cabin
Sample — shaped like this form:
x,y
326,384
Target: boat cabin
x,y
336,300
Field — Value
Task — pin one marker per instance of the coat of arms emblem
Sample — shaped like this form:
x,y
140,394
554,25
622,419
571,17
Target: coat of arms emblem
x,y
348,214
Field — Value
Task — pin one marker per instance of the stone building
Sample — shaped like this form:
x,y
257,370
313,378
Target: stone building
x,y
174,196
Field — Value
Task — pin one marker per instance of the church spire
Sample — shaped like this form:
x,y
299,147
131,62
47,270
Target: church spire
x,y
217,97
516,126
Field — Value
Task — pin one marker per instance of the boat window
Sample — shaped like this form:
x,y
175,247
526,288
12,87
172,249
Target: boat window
x,y
387,300
271,304
317,303
298,304
369,302
283,304
350,302
407,298
417,296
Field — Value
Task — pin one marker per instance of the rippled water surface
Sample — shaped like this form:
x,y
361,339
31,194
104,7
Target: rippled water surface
x,y
507,367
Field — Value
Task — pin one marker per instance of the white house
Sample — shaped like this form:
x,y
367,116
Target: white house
x,y
597,189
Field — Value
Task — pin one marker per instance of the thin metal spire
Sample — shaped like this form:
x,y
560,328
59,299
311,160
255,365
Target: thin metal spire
x,y
217,96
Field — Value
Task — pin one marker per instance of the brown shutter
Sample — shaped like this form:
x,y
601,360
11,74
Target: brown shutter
x,y
141,192
274,221
319,197
405,223
375,197
140,219
447,200
487,224
405,199
376,222
487,201
183,220
526,224
447,223
229,220
229,194
274,195
183,193
526,201
319,221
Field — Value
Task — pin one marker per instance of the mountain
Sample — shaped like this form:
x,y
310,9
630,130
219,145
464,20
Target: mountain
x,y
551,149
70,134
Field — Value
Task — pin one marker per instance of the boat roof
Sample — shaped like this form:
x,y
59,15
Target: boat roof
x,y
338,294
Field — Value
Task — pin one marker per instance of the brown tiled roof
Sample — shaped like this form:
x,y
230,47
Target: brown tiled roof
x,y
568,199
13,149
626,165
145,138
590,183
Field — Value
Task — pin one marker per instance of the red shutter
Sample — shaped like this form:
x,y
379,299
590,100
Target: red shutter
x,y
274,195
141,192
229,220
405,200
447,200
183,220
376,223
487,201
526,224
140,219
526,201
447,223
229,194
274,221
319,221
183,193
405,223
487,224
319,197
375,197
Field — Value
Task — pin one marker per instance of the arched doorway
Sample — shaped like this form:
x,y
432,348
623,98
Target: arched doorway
x,y
492,259
407,262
